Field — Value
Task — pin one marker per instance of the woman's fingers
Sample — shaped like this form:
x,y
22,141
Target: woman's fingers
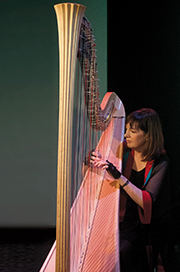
x,y
99,162
96,160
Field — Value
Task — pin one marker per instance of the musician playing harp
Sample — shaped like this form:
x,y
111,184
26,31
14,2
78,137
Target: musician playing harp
x,y
87,234
145,191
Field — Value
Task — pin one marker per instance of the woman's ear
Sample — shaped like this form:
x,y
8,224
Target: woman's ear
x,y
146,138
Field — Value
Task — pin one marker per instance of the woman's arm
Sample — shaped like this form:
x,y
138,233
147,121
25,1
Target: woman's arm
x,y
134,192
150,193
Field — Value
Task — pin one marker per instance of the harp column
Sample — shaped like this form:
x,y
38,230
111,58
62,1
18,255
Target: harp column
x,y
69,19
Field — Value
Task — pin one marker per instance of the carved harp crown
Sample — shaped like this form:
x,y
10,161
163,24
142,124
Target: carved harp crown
x,y
87,234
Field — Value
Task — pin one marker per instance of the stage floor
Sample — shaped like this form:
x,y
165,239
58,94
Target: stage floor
x,y
24,250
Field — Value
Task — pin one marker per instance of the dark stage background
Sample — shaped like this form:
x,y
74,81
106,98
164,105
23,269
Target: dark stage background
x,y
144,70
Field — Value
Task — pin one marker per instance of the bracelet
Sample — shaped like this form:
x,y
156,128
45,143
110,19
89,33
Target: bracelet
x,y
126,183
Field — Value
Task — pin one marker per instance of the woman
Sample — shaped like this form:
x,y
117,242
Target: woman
x,y
145,195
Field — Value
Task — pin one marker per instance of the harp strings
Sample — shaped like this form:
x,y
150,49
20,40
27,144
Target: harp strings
x,y
85,139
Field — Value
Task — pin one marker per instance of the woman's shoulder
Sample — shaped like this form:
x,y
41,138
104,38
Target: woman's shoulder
x,y
162,162
160,159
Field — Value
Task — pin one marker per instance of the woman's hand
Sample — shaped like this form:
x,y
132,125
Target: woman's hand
x,y
111,169
134,192
93,159
97,161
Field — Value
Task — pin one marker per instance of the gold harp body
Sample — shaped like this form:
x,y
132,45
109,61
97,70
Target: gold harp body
x,y
87,234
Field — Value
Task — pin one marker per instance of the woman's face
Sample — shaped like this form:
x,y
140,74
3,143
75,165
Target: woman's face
x,y
136,138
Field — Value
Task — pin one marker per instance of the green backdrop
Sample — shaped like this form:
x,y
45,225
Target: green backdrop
x,y
29,106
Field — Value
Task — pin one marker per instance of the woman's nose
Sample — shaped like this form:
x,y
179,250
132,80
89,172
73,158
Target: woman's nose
x,y
126,135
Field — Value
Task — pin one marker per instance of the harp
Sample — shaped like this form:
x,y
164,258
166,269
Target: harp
x,y
87,233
